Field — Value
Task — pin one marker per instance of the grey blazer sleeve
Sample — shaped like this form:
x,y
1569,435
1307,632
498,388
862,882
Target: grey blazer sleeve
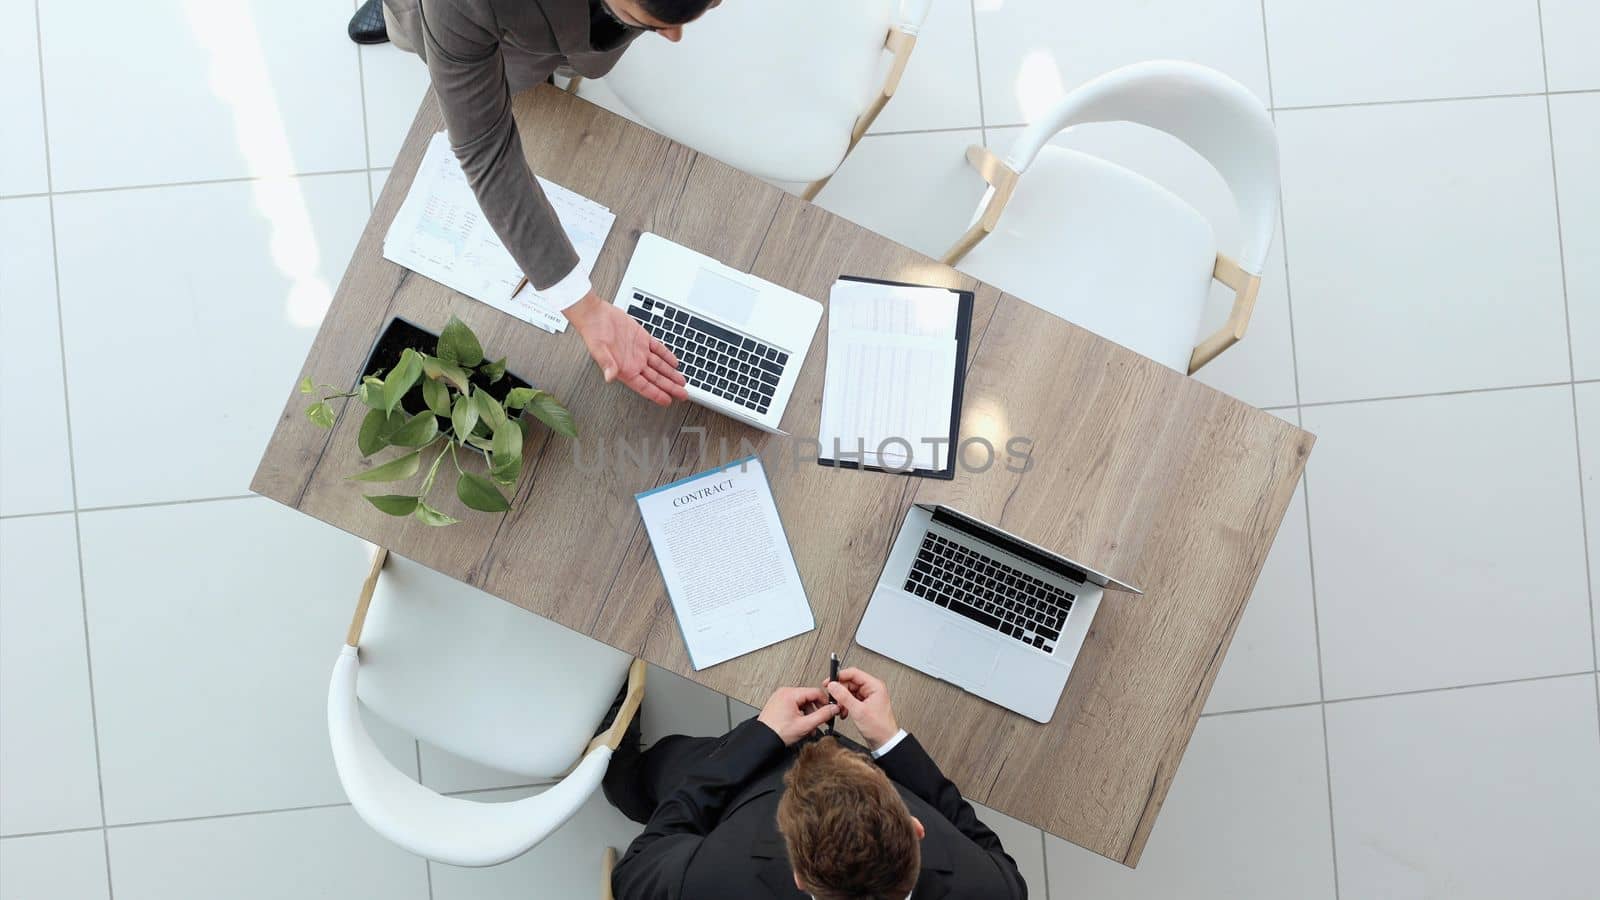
x,y
469,77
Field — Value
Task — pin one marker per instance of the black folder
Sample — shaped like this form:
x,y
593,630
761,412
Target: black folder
x,y
965,300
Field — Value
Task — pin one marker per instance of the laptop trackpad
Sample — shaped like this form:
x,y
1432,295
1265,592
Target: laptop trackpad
x,y
966,660
722,297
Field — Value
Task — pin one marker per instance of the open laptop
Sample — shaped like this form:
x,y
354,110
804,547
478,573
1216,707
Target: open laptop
x,y
982,609
740,341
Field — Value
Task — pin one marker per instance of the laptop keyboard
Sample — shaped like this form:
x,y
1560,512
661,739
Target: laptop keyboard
x,y
989,592
717,360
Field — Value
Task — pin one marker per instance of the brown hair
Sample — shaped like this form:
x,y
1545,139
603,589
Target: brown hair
x,y
848,831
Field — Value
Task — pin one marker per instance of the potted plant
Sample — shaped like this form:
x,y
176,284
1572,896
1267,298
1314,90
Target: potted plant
x,y
451,403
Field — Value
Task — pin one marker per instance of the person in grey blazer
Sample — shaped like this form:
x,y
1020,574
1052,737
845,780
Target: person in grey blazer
x,y
481,52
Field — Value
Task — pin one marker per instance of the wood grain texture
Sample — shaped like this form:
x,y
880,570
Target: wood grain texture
x,y
1133,469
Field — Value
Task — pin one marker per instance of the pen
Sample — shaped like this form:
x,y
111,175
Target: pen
x,y
520,285
833,675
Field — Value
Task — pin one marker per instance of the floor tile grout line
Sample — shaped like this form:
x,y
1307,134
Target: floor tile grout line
x,y
157,185
34,834
1266,50
1572,369
245,813
1255,709
1315,404
72,464
1408,693
366,128
1588,562
1363,103
1333,829
149,505
1044,860
944,130
1416,100
1544,54
977,71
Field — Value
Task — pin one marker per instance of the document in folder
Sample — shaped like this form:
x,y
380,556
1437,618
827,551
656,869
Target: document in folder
x,y
893,369
726,562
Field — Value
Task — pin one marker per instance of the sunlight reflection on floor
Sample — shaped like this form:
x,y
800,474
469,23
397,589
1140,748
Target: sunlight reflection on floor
x,y
239,77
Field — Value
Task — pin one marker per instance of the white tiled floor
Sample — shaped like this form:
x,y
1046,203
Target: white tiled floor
x,y
1432,300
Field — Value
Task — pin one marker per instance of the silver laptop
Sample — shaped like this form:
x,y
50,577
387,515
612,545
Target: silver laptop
x,y
740,341
982,609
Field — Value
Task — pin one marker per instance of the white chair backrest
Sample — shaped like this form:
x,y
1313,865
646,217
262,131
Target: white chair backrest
x,y
446,829
1216,116
481,678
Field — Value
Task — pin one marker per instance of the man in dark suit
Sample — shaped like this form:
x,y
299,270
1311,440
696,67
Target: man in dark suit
x,y
479,54
771,810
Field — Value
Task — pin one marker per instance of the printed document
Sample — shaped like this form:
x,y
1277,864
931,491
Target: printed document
x,y
440,233
890,384
726,562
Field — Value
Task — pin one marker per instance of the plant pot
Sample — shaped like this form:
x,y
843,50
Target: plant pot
x,y
400,335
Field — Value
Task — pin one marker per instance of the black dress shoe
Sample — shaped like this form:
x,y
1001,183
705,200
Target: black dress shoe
x,y
367,25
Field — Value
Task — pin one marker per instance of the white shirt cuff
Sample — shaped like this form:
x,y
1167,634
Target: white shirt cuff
x,y
890,744
567,291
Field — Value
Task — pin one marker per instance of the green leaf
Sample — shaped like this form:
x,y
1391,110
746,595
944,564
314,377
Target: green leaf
x,y
394,504
495,371
376,429
457,344
479,493
430,516
482,443
464,417
489,409
438,368
417,431
437,396
402,379
433,470
517,398
320,413
398,469
505,454
548,410
306,386
371,393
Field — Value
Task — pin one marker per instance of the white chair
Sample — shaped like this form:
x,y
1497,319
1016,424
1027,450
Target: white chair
x,y
486,681
782,89
1110,250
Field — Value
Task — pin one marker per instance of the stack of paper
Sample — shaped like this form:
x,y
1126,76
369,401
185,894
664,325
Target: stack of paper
x,y
891,375
440,233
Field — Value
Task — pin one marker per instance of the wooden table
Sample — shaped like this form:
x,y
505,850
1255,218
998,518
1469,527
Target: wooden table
x,y
1138,471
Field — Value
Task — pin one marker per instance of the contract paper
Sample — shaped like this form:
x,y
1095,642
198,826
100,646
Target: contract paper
x,y
890,384
726,562
440,233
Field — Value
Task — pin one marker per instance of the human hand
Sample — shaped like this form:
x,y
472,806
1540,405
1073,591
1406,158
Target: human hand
x,y
625,352
794,712
865,701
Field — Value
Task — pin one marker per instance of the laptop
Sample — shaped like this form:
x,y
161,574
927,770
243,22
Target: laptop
x,y
740,341
985,610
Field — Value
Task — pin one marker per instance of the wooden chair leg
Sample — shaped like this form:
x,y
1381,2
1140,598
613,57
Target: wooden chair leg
x,y
1245,287
364,602
612,737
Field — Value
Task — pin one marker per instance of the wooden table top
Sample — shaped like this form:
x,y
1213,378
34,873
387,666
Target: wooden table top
x,y
1137,470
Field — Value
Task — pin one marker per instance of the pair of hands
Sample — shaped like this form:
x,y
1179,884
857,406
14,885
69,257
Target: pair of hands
x,y
795,712
625,352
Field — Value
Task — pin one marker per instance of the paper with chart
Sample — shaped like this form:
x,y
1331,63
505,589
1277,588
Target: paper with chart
x,y
726,562
440,233
890,384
